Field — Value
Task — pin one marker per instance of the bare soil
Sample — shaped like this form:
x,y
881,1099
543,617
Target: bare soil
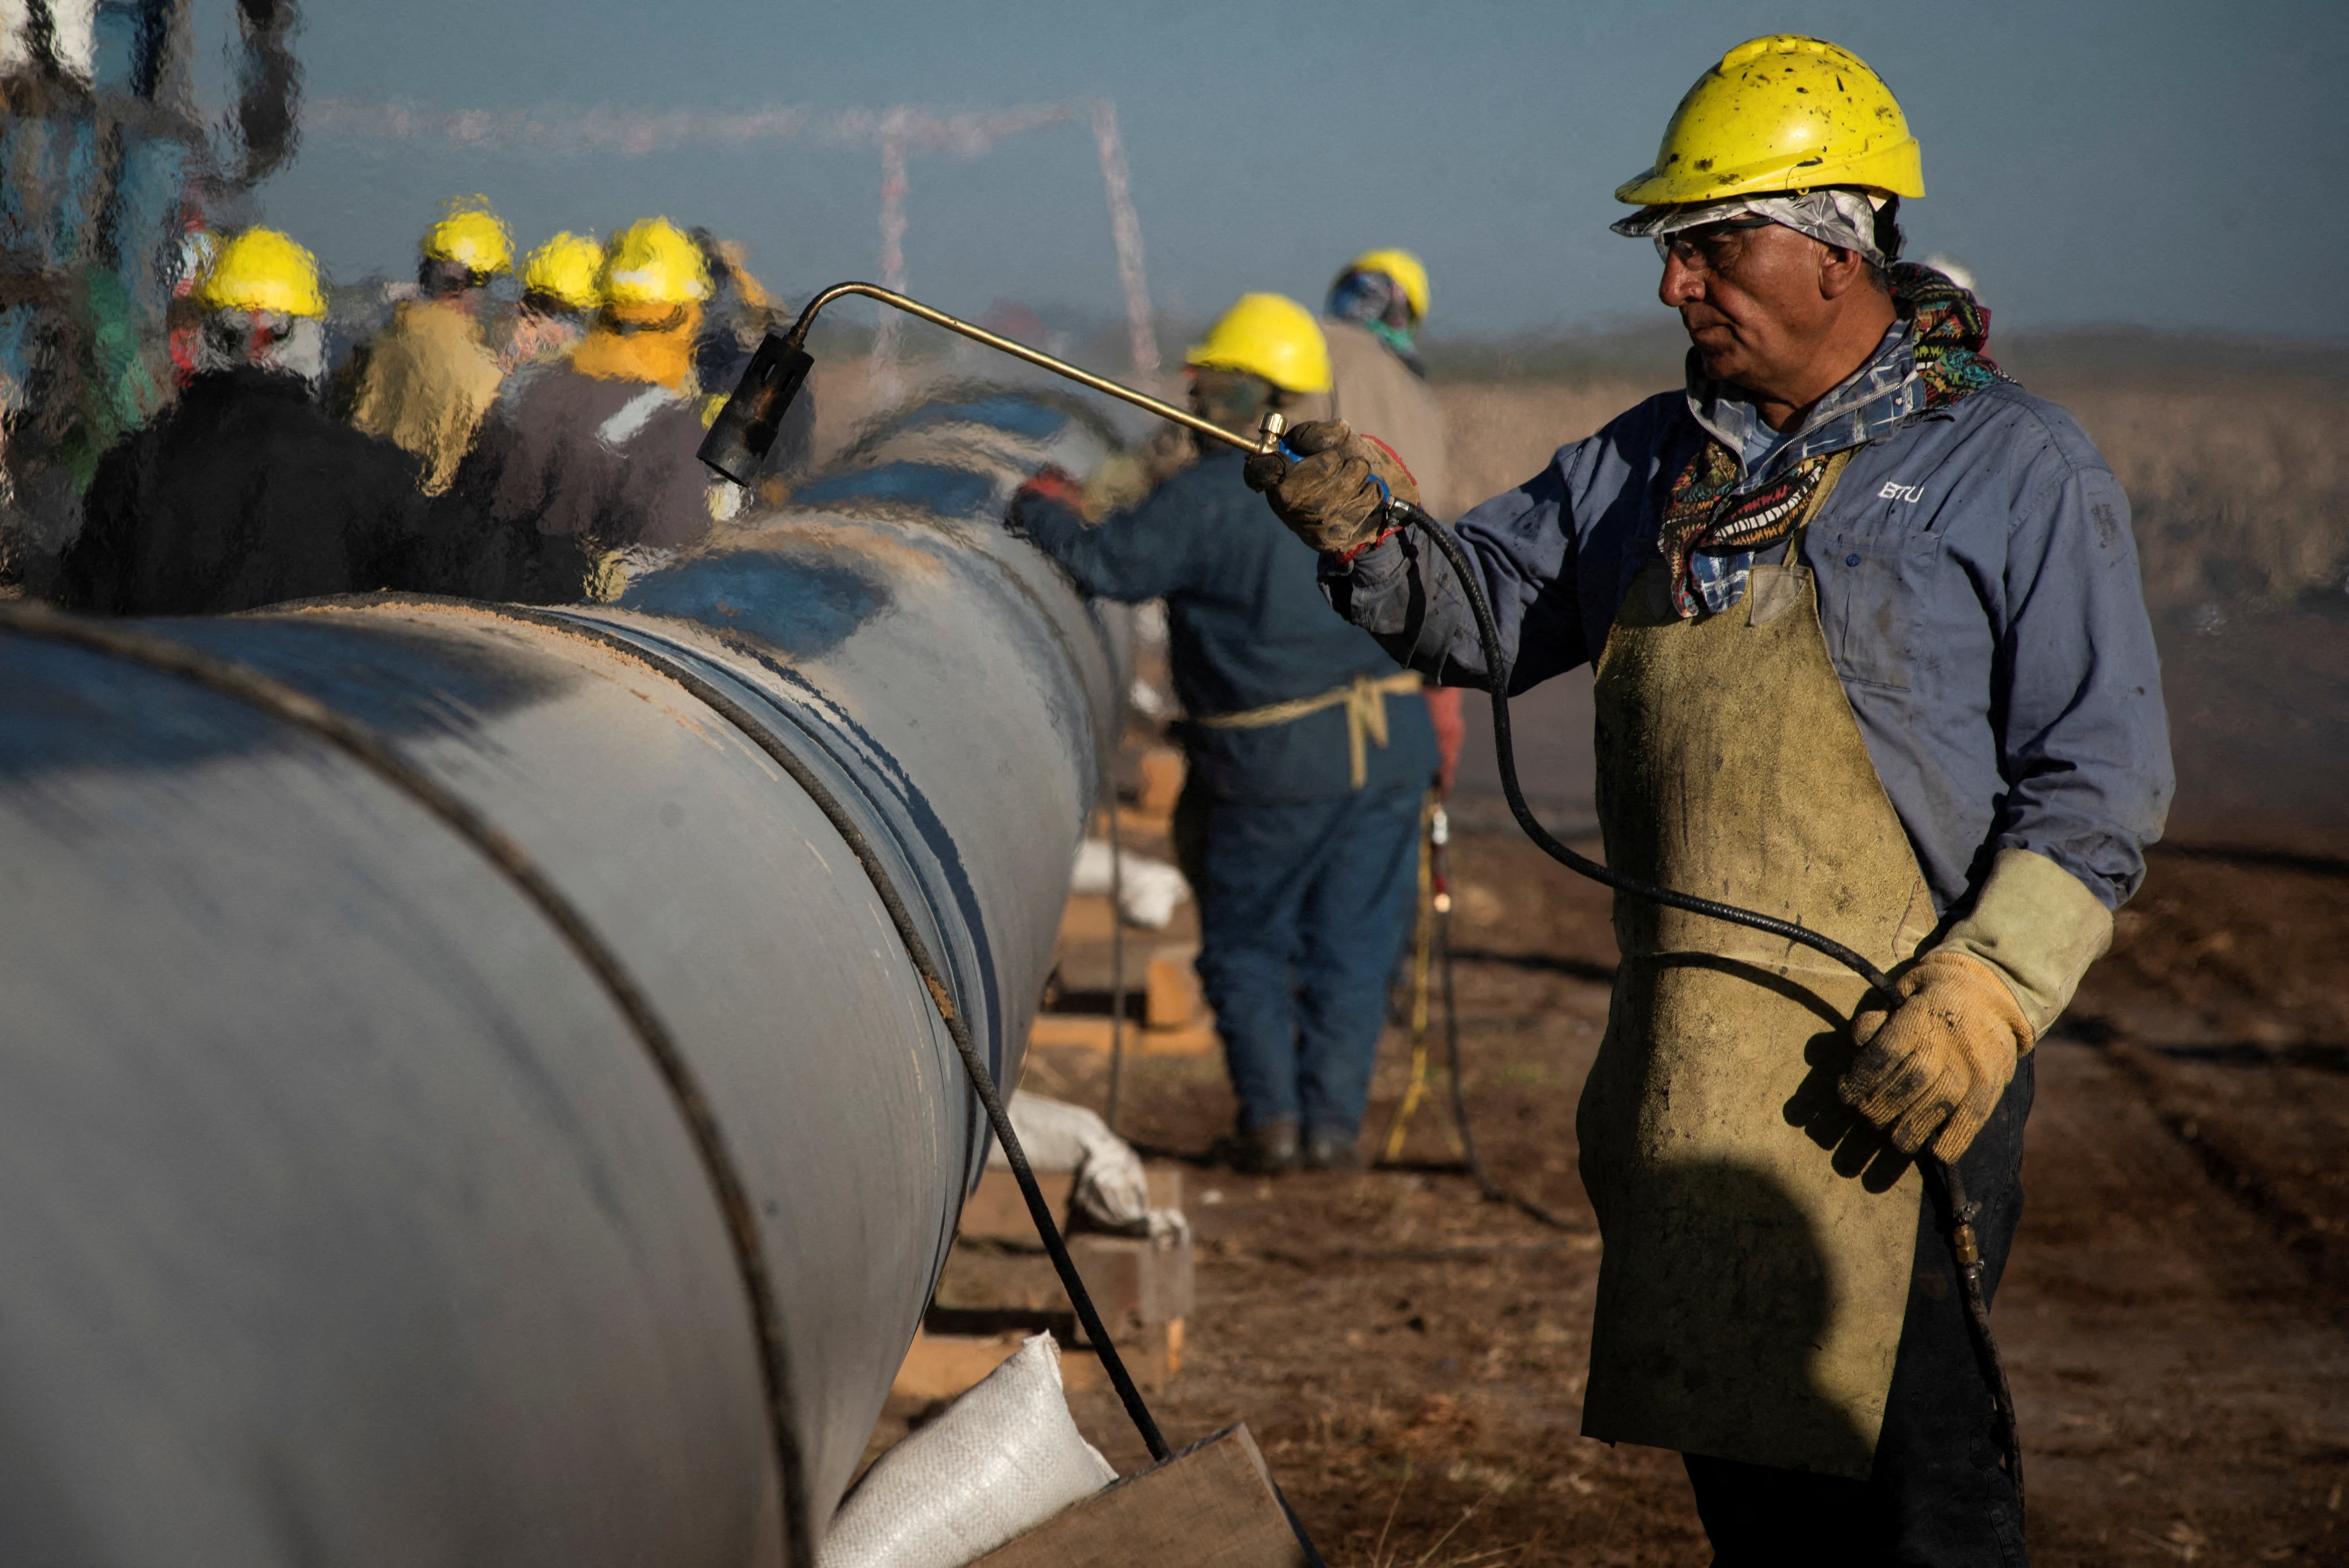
x,y
2175,1318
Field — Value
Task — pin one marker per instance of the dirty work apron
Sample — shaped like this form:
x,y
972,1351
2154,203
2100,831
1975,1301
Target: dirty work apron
x,y
1759,1238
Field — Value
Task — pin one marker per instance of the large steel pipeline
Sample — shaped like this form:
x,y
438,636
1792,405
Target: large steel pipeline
x,y
461,1099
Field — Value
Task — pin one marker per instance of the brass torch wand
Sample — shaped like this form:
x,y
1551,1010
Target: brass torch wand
x,y
745,429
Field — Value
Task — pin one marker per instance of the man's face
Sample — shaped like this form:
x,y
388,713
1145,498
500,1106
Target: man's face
x,y
1749,299
1231,398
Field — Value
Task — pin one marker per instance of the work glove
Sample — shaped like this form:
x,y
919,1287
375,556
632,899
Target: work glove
x,y
1934,1064
1331,497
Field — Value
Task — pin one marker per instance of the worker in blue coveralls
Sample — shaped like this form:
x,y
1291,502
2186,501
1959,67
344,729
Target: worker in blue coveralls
x,y
1299,824
1871,654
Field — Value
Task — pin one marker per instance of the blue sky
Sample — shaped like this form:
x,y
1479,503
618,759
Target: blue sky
x,y
2159,162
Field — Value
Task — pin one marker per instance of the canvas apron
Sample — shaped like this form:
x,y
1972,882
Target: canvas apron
x,y
1758,1238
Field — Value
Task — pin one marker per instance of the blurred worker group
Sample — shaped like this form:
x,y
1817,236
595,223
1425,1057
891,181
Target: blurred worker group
x,y
519,427
1310,756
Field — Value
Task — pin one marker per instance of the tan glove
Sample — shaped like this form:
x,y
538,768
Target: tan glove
x,y
1939,1059
1330,498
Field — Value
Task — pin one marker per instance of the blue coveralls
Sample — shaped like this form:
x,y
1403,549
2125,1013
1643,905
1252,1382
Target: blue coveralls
x,y
1305,883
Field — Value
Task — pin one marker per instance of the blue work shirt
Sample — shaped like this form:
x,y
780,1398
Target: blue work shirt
x,y
1247,627
1978,587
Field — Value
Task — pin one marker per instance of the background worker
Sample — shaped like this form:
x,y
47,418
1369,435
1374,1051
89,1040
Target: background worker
x,y
1871,654
1379,386
558,299
425,381
589,470
245,492
1299,817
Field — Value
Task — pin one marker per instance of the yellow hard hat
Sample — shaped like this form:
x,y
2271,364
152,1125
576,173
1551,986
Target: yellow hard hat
x,y
1269,336
564,269
262,269
1780,113
653,262
1402,266
470,235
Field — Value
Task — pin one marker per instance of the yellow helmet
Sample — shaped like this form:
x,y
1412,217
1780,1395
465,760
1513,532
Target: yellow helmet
x,y
1269,336
1406,269
564,269
470,235
262,269
1780,113
653,262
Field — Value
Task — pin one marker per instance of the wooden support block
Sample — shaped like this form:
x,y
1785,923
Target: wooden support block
x,y
1087,918
1195,1039
1136,1282
1214,1505
995,1211
1151,1359
1162,782
941,1365
1090,1031
1170,989
1083,1031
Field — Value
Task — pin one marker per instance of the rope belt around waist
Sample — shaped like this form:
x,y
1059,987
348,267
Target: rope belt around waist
x,y
1363,698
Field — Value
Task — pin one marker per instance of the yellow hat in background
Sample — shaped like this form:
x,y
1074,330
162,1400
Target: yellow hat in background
x,y
262,269
1270,336
1780,113
470,235
653,262
564,269
1408,271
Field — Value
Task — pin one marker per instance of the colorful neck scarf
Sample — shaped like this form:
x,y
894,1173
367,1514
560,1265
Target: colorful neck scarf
x,y
1376,302
1707,513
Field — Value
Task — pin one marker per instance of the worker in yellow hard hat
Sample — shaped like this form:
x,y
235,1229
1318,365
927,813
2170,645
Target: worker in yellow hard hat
x,y
245,492
593,459
1299,817
1871,655
559,298
424,382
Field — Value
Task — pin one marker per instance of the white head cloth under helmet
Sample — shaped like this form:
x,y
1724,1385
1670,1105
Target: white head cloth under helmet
x,y
1841,217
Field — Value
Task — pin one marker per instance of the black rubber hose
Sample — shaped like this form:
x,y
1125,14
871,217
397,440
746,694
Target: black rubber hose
x,y
1956,1212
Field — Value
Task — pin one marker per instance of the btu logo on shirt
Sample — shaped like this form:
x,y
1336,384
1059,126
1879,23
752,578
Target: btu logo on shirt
x,y
1895,491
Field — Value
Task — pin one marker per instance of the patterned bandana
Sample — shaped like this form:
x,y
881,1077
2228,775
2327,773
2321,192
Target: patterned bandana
x,y
1834,215
1709,516
1377,302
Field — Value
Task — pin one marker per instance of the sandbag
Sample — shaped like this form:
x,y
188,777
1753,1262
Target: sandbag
x,y
1148,890
1112,1189
1002,1460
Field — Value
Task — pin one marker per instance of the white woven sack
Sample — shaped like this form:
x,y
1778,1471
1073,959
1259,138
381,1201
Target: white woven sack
x,y
1112,1187
1002,1460
1148,890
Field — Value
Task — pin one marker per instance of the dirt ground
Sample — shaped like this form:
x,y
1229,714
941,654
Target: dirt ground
x,y
1410,1357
